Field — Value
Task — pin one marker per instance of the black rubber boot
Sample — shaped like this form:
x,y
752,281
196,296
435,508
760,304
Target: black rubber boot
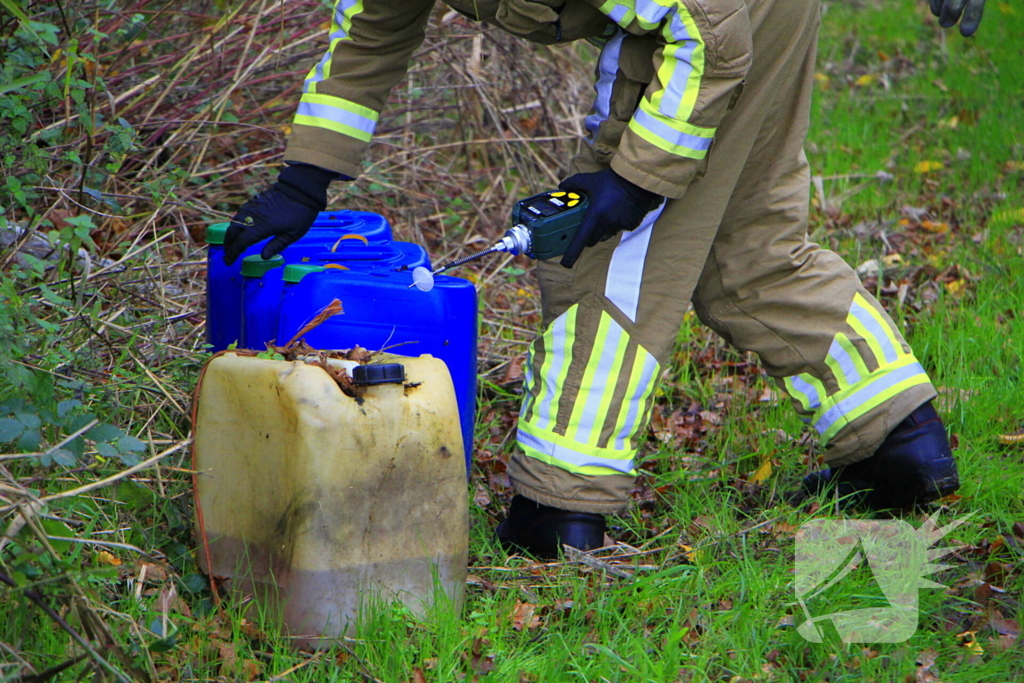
x,y
914,465
541,530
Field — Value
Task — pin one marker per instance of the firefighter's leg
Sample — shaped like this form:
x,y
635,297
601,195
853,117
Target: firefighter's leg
x,y
611,321
801,308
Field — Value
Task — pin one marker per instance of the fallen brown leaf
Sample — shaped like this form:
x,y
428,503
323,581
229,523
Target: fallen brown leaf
x,y
925,661
524,615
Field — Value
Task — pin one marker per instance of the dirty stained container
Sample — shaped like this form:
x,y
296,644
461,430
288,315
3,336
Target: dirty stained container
x,y
314,501
224,283
381,312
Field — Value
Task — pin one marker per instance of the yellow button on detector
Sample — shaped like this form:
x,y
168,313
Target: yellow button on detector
x,y
573,202
573,195
557,194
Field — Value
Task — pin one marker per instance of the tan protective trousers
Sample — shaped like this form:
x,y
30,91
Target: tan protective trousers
x,y
736,246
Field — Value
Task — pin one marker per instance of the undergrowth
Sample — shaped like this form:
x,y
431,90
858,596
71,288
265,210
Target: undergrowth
x,y
126,127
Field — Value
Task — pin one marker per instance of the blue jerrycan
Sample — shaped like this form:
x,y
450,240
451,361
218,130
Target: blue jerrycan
x,y
381,312
263,284
224,283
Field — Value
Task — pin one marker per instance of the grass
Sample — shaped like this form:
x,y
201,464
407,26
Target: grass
x,y
916,140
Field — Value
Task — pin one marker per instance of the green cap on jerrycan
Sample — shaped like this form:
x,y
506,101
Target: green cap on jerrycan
x,y
215,233
294,272
256,266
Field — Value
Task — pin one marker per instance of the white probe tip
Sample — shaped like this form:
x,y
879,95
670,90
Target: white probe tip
x,y
422,279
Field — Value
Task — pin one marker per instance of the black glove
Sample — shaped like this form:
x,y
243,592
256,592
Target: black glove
x,y
949,11
615,205
284,211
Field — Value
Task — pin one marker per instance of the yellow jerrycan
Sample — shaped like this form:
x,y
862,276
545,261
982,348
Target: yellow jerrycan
x,y
314,501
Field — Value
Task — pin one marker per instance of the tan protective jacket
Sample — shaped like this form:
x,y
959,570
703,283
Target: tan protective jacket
x,y
680,65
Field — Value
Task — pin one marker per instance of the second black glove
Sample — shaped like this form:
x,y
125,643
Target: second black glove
x,y
284,211
949,12
615,205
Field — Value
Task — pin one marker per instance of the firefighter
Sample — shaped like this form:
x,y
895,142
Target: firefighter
x,y
699,194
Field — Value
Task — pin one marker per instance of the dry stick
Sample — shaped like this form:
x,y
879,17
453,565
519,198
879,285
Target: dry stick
x,y
49,673
111,479
159,384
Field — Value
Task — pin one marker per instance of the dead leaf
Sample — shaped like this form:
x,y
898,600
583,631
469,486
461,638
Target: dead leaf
x,y
478,661
104,557
481,496
329,311
924,662
514,371
418,676
935,226
228,658
763,472
524,615
1003,626
153,573
928,166
1018,529
970,643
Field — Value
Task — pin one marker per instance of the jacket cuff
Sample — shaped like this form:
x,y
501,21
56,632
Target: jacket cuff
x,y
643,164
332,151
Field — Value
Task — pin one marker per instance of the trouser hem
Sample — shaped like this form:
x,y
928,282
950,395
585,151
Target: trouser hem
x,y
861,438
558,488
575,505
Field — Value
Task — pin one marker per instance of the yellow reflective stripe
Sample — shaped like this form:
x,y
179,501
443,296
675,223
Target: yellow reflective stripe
x,y
854,354
629,400
846,406
341,24
682,66
342,128
807,389
586,389
634,402
845,362
872,326
568,454
340,103
528,383
558,341
337,114
883,323
621,14
610,384
670,135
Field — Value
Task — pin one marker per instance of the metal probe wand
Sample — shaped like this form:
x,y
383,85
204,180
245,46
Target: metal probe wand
x,y
516,241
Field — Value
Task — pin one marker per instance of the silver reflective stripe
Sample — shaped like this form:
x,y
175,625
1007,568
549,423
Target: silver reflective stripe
x,y
554,359
813,397
672,96
618,14
846,364
340,11
669,134
608,69
858,398
604,382
869,321
636,402
651,11
338,115
626,270
572,456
